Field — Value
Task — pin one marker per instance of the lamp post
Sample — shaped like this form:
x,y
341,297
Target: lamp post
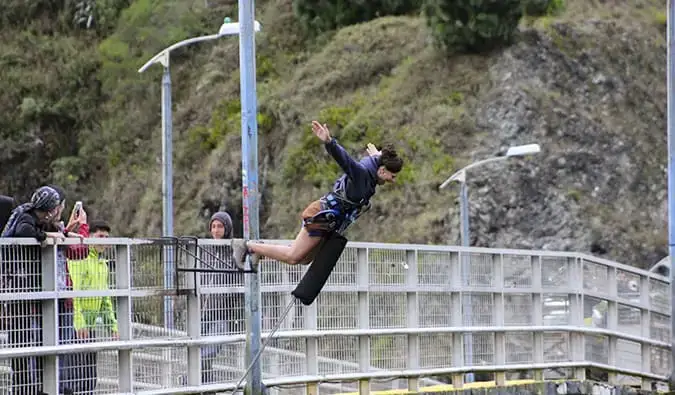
x,y
671,176
249,188
226,29
460,177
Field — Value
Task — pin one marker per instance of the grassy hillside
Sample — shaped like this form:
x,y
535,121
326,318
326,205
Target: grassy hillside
x,y
588,85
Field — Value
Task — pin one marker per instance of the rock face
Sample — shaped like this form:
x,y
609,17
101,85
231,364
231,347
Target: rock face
x,y
599,184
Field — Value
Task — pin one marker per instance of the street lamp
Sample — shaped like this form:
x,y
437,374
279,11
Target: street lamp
x,y
226,29
460,176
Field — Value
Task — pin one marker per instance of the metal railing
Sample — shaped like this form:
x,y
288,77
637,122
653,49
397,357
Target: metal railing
x,y
390,317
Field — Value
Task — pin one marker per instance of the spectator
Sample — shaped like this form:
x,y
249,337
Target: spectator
x,y
24,318
222,313
88,274
67,335
7,204
220,225
32,219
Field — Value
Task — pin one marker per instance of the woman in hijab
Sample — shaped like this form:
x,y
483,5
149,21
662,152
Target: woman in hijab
x,y
222,312
28,220
33,218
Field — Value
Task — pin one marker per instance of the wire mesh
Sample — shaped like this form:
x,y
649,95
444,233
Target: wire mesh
x,y
338,354
519,348
483,349
660,360
288,359
556,309
555,272
659,295
435,267
518,272
597,348
557,347
595,312
337,310
481,272
223,363
629,320
106,372
595,276
159,367
481,310
21,269
345,272
386,267
435,350
388,352
434,309
628,286
659,327
387,310
273,306
147,264
518,309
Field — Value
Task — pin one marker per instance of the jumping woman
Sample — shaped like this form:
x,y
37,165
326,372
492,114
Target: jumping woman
x,y
333,212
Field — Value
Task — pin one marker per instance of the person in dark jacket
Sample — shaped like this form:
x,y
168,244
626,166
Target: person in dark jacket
x,y
336,210
23,318
33,218
7,204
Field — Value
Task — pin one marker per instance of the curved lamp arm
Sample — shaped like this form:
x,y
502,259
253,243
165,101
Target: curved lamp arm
x,y
460,175
163,56
520,150
226,29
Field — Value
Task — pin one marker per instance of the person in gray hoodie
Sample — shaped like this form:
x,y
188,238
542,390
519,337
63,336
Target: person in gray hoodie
x,y
223,313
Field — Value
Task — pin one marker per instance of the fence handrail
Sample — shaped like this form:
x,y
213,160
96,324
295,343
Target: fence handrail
x,y
347,377
307,334
358,244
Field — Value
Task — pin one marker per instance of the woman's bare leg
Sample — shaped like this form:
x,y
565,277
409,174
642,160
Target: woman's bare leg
x,y
293,254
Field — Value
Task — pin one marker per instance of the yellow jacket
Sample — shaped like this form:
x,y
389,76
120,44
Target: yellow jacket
x,y
91,274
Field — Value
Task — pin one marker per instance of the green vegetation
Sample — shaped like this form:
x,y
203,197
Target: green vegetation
x,y
74,110
325,16
473,26
543,7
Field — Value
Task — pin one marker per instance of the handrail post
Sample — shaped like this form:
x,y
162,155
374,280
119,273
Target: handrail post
x,y
123,280
50,320
412,317
363,283
194,315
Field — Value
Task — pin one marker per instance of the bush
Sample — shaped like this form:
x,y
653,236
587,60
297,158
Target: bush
x,y
473,25
326,15
19,13
542,7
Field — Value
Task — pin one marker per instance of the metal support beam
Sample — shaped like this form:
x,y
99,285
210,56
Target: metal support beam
x,y
249,159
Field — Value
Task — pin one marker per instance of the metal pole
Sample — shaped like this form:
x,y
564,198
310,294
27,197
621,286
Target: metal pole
x,y
249,161
466,269
167,188
671,179
464,213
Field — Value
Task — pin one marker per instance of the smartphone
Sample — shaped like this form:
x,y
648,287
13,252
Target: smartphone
x,y
77,208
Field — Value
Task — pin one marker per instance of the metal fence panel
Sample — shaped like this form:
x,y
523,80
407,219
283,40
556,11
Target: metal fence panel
x,y
105,321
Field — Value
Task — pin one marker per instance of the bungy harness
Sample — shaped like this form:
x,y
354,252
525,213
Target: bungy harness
x,y
337,211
